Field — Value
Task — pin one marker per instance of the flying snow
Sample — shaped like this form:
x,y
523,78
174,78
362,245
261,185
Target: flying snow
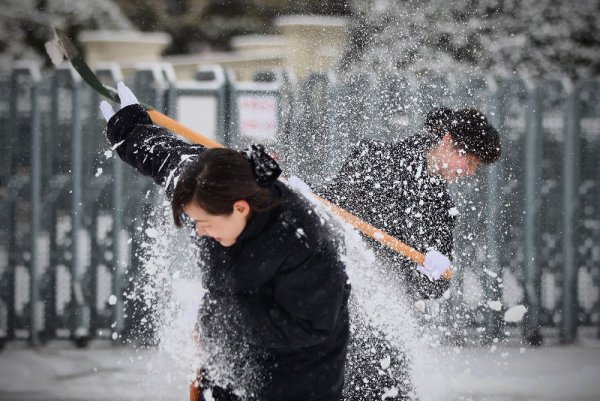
x,y
515,314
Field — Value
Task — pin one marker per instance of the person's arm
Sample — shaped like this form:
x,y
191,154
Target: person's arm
x,y
420,281
419,286
152,150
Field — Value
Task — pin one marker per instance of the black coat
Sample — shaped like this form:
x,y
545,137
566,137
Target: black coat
x,y
277,299
387,185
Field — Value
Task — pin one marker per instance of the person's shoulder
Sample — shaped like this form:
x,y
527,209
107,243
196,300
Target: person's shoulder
x,y
299,219
412,147
295,206
371,145
374,152
414,140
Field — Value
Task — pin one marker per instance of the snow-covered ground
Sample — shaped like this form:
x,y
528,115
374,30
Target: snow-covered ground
x,y
104,372
515,373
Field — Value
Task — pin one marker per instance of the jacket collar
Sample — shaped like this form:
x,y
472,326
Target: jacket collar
x,y
259,220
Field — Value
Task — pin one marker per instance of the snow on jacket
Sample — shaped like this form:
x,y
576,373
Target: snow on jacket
x,y
277,299
387,185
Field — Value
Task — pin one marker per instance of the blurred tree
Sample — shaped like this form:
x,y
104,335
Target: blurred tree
x,y
193,24
415,37
25,24
534,37
541,37
208,24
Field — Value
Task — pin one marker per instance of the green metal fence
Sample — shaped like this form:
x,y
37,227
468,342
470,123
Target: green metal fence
x,y
70,232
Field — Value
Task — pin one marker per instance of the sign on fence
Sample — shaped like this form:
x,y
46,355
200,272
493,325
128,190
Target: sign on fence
x,y
199,113
258,116
201,104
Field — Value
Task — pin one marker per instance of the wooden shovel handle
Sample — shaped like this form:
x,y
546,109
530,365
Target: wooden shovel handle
x,y
181,130
195,389
381,236
361,225
194,392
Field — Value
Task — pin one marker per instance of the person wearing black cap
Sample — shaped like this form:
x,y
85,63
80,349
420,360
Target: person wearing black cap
x,y
402,188
274,323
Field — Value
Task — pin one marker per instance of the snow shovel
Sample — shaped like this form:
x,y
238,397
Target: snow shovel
x,y
61,47
195,390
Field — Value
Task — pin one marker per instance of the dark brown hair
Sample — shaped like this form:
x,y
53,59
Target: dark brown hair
x,y
470,130
215,181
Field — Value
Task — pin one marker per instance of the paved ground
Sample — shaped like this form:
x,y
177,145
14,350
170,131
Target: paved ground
x,y
104,372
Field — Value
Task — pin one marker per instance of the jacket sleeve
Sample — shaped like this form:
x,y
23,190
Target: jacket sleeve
x,y
414,284
309,297
419,286
440,237
152,150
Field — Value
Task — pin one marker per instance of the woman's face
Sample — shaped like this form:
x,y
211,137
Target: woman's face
x,y
223,229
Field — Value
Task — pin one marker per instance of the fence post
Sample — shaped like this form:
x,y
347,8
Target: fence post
x,y
56,203
21,277
595,83
4,233
150,84
79,312
351,103
9,165
112,315
310,141
119,251
493,318
119,240
570,180
531,327
36,209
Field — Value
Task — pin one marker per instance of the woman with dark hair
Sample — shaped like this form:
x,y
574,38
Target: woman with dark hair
x,y
402,188
273,324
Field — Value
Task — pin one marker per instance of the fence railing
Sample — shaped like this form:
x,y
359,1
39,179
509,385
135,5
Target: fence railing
x,y
528,232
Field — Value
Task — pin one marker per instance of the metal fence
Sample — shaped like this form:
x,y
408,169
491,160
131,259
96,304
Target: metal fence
x,y
70,233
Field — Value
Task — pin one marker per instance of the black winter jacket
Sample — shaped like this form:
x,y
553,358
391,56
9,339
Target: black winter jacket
x,y
277,299
387,185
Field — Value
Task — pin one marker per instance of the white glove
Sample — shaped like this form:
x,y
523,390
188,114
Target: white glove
x,y
127,99
297,184
107,110
435,265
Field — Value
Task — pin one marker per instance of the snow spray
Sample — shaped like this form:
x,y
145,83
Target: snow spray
x,y
172,292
